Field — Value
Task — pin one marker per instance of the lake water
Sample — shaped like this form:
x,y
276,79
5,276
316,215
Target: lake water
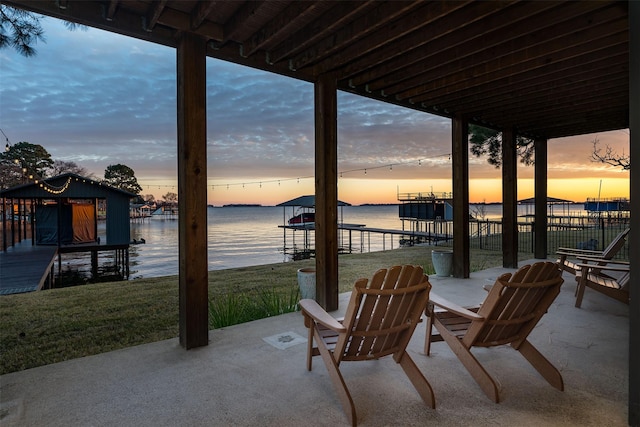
x,y
246,236
240,237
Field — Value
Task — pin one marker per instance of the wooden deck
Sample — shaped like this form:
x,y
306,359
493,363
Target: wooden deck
x,y
25,268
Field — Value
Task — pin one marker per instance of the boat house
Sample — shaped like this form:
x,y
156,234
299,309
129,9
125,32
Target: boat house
x,y
63,211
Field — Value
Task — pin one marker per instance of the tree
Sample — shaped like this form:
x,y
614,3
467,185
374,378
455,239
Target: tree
x,y
170,198
10,174
19,29
60,166
33,159
149,198
488,142
122,177
610,157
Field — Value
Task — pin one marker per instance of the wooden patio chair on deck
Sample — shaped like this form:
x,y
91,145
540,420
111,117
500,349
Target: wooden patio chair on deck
x,y
607,277
569,257
381,316
512,308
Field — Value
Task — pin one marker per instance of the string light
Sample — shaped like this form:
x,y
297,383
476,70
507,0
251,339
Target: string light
x,y
391,165
8,146
297,179
56,190
31,176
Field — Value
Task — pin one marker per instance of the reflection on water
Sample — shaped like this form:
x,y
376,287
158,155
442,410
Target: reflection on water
x,y
237,237
246,236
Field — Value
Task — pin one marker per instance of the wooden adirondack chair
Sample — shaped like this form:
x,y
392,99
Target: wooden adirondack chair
x,y
512,308
569,257
607,277
381,316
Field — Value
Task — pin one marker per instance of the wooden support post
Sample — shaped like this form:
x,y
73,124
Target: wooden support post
x,y
32,220
460,136
59,268
509,200
94,263
20,213
13,224
540,215
23,219
192,190
634,253
326,180
126,265
4,224
95,220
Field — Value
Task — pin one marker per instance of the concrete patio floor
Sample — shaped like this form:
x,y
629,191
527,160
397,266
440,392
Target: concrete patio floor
x,y
243,379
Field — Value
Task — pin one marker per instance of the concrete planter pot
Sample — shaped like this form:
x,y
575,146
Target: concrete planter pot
x,y
307,283
442,260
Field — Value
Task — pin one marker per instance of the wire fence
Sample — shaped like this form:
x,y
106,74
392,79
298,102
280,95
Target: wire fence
x,y
562,232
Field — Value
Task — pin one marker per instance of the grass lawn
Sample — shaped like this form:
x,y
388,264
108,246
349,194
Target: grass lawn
x,y
51,326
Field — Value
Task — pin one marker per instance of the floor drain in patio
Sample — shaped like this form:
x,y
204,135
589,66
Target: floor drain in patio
x,y
285,340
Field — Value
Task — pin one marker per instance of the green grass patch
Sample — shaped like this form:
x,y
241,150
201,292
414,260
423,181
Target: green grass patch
x,y
51,326
233,308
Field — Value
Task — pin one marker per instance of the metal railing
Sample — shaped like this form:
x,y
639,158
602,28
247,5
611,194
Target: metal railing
x,y
567,232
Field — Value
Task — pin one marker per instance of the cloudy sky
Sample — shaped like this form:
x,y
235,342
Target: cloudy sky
x,y
99,99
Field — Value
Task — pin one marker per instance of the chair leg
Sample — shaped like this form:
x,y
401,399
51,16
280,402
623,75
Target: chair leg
x,y
541,364
310,346
418,380
429,328
580,291
477,371
336,378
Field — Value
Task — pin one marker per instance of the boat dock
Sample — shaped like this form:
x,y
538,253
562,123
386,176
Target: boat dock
x,y
346,243
26,268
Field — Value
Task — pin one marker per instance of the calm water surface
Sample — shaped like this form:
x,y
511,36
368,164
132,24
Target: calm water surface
x,y
246,236
240,237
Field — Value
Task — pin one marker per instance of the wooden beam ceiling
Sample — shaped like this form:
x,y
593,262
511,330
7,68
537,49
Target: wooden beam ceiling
x,y
547,69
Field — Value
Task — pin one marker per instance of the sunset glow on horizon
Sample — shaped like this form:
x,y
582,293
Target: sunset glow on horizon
x,y
358,192
260,129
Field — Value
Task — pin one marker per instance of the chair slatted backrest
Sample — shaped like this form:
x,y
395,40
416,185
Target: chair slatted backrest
x,y
514,305
383,313
616,244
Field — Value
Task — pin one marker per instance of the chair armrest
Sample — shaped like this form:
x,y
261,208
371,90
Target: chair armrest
x,y
610,266
313,310
602,261
577,252
452,307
